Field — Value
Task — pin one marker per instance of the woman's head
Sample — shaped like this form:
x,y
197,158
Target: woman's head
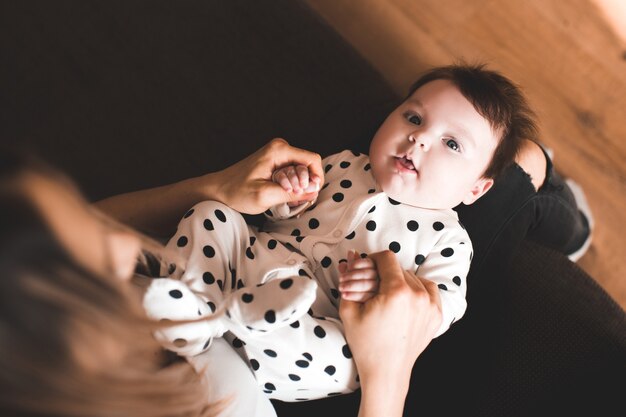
x,y
73,337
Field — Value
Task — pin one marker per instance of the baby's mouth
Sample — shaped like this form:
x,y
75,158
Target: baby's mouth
x,y
405,163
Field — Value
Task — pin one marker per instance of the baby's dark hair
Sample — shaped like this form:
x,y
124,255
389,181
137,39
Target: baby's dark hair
x,y
498,100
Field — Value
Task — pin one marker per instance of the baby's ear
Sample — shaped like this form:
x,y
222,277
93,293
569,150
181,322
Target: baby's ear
x,y
480,187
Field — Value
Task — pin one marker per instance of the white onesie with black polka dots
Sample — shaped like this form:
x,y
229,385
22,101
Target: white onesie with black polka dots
x,y
277,287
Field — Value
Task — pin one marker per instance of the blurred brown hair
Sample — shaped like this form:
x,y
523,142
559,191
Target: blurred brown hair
x,y
73,343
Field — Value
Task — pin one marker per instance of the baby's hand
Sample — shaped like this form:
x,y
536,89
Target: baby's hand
x,y
297,180
358,278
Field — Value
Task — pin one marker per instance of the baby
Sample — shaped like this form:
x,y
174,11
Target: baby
x,y
274,293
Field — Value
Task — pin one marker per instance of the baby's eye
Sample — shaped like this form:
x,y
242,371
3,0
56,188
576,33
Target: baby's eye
x,y
452,144
414,118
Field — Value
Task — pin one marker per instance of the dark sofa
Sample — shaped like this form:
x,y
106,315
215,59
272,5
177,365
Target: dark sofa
x,y
124,95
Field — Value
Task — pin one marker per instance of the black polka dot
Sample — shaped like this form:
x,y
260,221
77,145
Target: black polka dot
x,y
295,232
345,183
176,294
270,386
208,225
220,216
327,168
302,273
308,356
272,243
393,202
182,241
220,284
249,253
334,293
346,351
371,191
295,324
237,343
270,316
457,280
171,269
447,252
442,287
252,240
437,226
372,209
326,262
344,164
270,353
239,284
338,197
319,332
314,223
247,298
419,259
254,364
371,225
189,213
412,225
294,377
367,167
211,306
394,247
302,364
208,278
330,370
299,238
208,250
286,283
325,185
351,235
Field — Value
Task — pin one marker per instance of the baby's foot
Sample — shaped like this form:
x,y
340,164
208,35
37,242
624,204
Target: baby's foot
x,y
269,306
170,300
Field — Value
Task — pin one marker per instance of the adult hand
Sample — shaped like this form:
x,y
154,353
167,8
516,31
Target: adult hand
x,y
387,333
247,186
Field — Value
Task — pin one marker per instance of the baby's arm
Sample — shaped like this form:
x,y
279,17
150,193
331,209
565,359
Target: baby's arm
x,y
447,266
358,279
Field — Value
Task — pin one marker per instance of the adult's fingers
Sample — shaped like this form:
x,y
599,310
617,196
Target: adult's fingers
x,y
389,271
285,154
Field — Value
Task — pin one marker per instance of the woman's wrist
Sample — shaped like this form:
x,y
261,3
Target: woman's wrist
x,y
383,396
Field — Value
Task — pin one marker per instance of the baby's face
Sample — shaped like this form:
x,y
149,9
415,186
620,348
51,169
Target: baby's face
x,y
432,150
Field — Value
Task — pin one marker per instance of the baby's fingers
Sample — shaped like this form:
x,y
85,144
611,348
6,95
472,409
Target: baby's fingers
x,y
281,177
359,297
359,285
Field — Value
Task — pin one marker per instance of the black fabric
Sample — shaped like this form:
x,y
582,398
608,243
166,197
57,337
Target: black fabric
x,y
129,94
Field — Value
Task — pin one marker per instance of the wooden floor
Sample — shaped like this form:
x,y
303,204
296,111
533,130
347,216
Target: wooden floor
x,y
566,55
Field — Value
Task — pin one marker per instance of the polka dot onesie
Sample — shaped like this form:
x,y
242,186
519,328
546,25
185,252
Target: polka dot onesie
x,y
274,291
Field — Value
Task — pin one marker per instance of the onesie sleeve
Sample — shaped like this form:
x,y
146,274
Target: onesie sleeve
x,y
448,265
283,211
